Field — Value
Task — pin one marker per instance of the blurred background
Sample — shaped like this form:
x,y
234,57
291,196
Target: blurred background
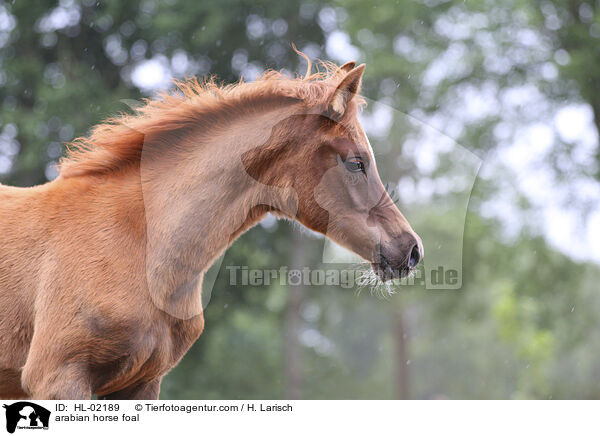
x,y
514,84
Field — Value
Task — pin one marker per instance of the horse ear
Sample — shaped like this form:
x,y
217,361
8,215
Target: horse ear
x,y
343,70
347,67
345,91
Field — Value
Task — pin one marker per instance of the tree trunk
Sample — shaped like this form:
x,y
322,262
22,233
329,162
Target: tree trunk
x,y
401,351
292,322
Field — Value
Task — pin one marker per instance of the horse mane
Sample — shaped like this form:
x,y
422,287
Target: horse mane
x,y
118,141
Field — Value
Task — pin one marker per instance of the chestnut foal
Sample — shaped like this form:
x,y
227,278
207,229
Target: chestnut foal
x,y
101,269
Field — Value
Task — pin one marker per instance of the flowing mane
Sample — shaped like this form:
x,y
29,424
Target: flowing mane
x,y
118,141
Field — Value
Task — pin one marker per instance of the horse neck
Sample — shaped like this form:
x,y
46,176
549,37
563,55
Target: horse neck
x,y
197,201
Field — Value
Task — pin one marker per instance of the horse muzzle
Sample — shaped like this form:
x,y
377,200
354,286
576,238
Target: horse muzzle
x,y
398,258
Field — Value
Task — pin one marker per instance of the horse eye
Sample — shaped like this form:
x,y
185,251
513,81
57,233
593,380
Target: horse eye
x,y
355,165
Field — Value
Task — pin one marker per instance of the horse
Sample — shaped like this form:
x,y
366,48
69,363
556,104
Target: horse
x,y
101,269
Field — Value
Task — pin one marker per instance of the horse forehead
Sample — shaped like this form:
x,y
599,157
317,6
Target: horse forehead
x,y
361,138
370,148
364,141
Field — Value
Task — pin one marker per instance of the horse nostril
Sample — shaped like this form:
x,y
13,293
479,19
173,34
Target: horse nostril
x,y
415,257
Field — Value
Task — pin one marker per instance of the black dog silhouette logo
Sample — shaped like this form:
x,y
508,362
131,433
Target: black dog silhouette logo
x,y
26,415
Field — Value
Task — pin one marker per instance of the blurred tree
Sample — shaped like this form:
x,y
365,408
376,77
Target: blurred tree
x,y
67,64
292,362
